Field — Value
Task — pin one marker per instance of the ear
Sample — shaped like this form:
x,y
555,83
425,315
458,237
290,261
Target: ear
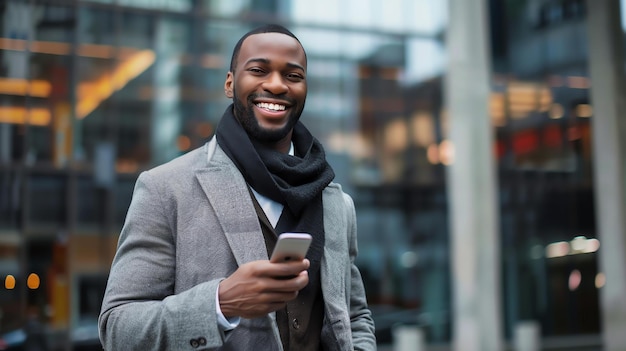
x,y
228,85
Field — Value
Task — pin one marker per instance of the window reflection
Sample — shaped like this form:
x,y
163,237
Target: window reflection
x,y
141,82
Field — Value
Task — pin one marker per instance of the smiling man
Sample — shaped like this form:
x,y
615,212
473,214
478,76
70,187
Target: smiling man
x,y
269,89
191,271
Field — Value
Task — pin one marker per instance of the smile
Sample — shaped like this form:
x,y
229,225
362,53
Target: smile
x,y
271,106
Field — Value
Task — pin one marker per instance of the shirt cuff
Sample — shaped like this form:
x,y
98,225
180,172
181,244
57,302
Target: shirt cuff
x,y
224,323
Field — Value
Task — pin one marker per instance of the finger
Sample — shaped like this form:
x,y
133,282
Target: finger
x,y
288,268
288,284
265,268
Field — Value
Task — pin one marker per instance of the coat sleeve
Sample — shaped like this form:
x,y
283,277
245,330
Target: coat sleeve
x,y
140,310
361,321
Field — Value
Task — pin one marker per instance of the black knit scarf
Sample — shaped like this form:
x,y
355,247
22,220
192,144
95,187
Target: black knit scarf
x,y
294,181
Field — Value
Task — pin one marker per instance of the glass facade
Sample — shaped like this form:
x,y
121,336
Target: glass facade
x,y
542,115
94,92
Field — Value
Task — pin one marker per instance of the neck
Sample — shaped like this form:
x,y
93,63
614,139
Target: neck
x,y
283,145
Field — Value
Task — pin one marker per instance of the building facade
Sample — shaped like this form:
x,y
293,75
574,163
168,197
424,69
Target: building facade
x,y
92,92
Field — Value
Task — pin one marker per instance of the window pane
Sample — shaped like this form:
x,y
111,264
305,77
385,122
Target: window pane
x,y
46,197
35,119
10,200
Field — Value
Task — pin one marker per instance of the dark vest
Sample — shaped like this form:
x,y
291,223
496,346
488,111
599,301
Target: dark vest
x,y
300,322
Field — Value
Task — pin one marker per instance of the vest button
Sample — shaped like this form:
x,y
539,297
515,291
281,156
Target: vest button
x,y
295,324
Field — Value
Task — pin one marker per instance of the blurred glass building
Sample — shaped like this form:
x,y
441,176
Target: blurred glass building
x,y
92,92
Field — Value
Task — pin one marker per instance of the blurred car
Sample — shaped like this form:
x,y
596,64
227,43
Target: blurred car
x,y
387,318
12,340
84,337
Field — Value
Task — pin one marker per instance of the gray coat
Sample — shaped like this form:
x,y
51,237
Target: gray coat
x,y
190,224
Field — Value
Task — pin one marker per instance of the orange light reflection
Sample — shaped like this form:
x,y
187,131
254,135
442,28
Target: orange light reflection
x,y
33,281
9,282
22,87
21,115
50,48
91,94
61,48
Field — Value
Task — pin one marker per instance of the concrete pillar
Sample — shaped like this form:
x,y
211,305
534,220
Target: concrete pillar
x,y
606,67
472,181
527,336
408,338
166,114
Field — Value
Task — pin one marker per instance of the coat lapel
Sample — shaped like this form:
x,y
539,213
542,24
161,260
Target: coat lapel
x,y
229,198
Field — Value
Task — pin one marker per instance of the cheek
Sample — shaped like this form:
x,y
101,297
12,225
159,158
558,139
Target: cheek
x,y
300,92
244,86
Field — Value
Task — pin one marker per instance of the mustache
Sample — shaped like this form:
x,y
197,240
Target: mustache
x,y
283,97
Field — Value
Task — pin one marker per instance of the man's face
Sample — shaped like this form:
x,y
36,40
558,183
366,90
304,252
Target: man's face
x,y
268,86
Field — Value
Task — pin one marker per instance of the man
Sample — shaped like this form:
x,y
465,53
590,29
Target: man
x,y
191,269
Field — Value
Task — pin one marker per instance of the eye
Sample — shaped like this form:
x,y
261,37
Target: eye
x,y
256,70
295,77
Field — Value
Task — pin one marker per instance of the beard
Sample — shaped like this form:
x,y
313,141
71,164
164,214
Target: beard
x,y
245,115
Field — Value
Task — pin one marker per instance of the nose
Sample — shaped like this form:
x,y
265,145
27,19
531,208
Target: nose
x,y
275,84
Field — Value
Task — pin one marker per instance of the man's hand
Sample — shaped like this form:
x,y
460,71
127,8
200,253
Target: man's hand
x,y
260,287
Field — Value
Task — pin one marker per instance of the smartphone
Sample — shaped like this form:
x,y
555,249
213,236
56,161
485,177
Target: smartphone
x,y
291,246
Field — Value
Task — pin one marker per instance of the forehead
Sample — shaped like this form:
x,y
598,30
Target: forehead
x,y
271,46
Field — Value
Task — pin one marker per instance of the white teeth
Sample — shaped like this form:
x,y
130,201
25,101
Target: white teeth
x,y
270,106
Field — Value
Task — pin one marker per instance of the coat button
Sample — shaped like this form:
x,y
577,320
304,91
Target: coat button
x,y
202,341
296,324
194,343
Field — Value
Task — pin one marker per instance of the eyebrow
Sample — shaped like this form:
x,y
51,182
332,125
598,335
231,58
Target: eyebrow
x,y
267,62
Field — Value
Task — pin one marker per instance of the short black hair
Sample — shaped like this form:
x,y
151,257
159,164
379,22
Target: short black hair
x,y
268,28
